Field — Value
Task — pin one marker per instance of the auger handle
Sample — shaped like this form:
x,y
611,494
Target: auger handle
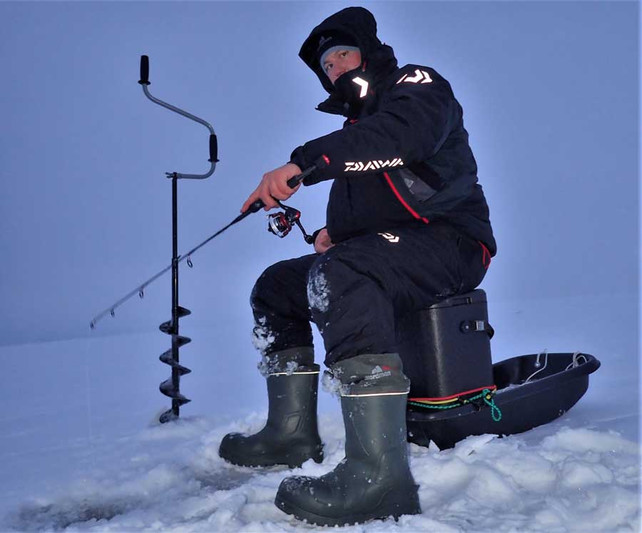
x,y
213,144
144,70
213,149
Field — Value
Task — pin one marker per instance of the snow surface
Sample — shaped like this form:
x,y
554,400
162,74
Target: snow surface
x,y
81,449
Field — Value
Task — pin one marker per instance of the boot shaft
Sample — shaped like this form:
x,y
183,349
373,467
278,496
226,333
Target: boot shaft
x,y
290,436
375,426
371,375
292,400
373,402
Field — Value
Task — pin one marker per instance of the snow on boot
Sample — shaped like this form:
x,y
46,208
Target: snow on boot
x,y
290,436
373,481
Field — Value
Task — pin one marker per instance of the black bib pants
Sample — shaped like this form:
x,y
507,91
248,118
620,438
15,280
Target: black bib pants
x,y
353,291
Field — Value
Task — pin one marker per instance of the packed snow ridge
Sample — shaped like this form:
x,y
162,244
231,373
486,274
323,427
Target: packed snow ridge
x,y
170,478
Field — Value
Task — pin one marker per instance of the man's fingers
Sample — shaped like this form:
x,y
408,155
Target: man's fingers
x,y
247,204
257,194
285,189
269,204
280,195
273,187
250,200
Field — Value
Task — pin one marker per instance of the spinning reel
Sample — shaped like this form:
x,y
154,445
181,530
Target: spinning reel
x,y
280,224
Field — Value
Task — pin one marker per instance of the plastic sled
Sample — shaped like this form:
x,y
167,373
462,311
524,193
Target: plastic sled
x,y
455,389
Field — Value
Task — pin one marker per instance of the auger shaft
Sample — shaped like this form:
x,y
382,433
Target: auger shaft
x,y
171,387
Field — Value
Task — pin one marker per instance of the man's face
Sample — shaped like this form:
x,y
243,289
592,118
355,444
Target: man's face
x,y
339,62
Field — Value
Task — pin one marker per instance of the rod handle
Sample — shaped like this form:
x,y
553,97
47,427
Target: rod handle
x,y
144,70
257,205
295,180
320,163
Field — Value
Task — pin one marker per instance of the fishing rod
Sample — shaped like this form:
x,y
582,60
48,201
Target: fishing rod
x,y
280,224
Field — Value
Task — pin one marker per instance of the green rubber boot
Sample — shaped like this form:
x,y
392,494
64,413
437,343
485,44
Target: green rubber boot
x,y
374,480
290,436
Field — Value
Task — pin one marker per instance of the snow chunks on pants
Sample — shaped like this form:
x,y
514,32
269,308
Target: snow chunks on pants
x,y
353,291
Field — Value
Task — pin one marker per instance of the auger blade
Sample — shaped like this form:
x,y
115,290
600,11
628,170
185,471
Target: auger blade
x,y
168,359
168,389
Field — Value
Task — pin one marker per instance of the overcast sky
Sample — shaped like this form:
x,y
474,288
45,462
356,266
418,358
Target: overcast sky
x,y
550,97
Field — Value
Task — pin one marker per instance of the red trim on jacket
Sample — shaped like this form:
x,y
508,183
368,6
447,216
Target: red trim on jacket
x,y
403,202
485,255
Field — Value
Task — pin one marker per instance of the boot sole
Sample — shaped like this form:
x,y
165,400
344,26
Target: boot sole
x,y
293,461
385,510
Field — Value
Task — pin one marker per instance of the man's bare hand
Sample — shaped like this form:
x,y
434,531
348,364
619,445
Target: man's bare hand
x,y
322,243
274,185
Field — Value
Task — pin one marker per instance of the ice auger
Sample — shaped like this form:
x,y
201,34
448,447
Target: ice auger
x,y
279,224
171,387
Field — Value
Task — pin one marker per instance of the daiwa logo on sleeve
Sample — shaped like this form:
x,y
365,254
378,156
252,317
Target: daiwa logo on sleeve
x,y
360,166
421,76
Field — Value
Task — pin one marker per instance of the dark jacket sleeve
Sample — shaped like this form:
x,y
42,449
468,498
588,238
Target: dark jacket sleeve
x,y
411,124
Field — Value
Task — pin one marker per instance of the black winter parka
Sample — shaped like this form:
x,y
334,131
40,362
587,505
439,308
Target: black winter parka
x,y
403,155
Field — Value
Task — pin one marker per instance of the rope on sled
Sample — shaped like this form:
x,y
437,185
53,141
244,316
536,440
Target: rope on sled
x,y
484,395
495,411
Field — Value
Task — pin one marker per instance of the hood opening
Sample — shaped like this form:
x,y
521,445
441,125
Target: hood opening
x,y
356,22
